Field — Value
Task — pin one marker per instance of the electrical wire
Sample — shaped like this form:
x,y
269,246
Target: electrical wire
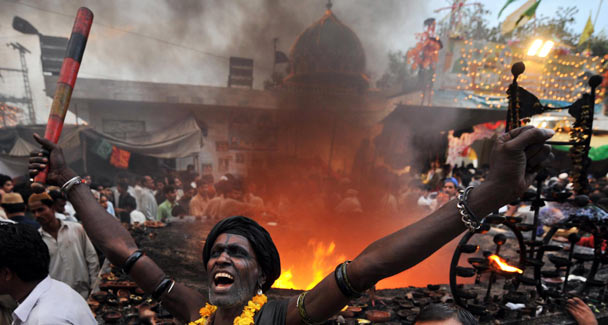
x,y
160,40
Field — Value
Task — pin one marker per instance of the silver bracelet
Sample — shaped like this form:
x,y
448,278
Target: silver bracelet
x,y
466,215
69,184
171,287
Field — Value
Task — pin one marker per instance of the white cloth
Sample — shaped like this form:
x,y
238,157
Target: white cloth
x,y
137,192
70,211
73,257
110,209
147,204
64,217
53,302
137,216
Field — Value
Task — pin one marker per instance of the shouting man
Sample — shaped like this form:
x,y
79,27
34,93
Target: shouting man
x,y
242,262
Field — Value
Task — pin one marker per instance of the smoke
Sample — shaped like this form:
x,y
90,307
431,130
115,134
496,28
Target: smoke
x,y
190,41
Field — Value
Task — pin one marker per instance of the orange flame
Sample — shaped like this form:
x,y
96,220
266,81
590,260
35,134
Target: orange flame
x,y
323,263
502,264
284,281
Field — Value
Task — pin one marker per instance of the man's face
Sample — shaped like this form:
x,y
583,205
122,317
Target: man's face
x,y
236,195
148,182
42,213
202,190
59,205
210,190
177,182
160,186
7,187
104,202
233,271
171,196
449,188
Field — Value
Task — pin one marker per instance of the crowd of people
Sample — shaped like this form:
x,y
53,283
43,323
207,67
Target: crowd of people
x,y
52,243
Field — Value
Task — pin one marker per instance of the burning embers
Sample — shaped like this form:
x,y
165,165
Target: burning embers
x,y
498,264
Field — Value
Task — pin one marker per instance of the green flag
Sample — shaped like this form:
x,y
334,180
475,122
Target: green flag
x,y
505,6
529,13
520,16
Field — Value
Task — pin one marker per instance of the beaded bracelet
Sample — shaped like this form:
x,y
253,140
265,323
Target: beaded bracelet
x,y
343,283
302,311
131,260
466,214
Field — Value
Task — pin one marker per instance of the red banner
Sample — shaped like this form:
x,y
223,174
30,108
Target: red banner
x,y
120,158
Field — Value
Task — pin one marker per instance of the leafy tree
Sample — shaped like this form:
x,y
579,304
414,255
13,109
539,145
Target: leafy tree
x,y
397,71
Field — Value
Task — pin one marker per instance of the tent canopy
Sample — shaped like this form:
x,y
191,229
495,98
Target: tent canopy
x,y
182,139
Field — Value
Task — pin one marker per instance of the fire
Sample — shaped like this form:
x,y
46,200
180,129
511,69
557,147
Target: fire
x,y
502,264
284,281
324,260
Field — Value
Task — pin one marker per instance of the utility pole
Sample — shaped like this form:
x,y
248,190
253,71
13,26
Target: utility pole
x,y
26,80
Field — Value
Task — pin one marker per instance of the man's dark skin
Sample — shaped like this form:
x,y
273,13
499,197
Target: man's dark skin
x,y
515,158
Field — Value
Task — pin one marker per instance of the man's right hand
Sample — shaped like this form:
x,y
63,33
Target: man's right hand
x,y
516,158
49,155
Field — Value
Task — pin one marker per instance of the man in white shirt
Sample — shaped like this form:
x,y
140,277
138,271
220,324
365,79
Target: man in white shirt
x,y
147,202
59,204
24,265
73,257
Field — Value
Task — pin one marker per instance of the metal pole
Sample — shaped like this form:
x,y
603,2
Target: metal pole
x,y
598,12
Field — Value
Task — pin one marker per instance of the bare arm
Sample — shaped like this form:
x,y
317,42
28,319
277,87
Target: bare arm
x,y
107,234
515,158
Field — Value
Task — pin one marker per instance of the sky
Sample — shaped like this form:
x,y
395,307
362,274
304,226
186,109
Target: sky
x,y
190,41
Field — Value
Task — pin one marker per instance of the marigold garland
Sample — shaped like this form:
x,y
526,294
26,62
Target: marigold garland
x,y
246,318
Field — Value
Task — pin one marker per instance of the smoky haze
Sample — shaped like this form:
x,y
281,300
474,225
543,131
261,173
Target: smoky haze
x,y
135,40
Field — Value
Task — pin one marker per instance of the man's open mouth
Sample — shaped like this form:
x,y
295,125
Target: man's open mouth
x,y
223,280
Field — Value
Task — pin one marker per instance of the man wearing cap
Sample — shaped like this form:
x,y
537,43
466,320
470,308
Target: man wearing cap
x,y
73,257
242,262
448,192
13,205
24,275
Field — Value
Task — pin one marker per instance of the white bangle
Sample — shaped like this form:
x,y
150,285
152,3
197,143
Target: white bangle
x,y
69,184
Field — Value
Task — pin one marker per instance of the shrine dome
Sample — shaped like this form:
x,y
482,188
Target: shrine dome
x,y
327,54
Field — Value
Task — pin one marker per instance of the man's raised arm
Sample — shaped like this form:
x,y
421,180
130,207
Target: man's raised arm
x,y
516,157
109,235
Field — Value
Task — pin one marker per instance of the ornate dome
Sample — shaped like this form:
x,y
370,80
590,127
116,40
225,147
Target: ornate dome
x,y
327,53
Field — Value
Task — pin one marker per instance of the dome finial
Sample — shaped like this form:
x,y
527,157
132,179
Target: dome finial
x,y
328,5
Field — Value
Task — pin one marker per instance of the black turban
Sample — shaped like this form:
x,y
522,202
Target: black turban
x,y
263,246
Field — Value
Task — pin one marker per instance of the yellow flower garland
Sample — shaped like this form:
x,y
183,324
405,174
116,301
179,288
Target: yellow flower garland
x,y
253,306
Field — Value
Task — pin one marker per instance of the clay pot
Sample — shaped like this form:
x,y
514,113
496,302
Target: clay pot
x,y
378,316
112,301
136,299
122,293
112,316
100,296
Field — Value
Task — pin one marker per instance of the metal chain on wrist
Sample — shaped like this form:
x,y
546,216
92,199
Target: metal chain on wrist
x,y
466,215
